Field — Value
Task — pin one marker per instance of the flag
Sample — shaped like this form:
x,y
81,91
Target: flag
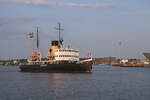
x,y
89,54
31,35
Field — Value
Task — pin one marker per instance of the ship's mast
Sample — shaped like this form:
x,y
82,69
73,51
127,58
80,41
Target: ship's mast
x,y
37,44
120,44
37,40
60,29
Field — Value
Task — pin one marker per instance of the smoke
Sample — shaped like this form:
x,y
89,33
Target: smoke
x,y
60,4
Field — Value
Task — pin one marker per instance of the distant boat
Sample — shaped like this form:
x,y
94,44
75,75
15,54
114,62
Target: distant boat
x,y
147,55
59,59
128,65
132,65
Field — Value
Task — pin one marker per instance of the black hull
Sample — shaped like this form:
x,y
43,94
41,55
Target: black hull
x,y
86,67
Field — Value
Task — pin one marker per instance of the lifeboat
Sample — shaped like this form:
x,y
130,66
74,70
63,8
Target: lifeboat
x,y
34,55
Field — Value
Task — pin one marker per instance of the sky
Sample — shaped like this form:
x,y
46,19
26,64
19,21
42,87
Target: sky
x,y
94,26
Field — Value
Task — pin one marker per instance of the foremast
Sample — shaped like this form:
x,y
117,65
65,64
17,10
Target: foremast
x,y
36,55
37,45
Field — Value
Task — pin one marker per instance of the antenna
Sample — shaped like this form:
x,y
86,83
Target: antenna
x,y
59,29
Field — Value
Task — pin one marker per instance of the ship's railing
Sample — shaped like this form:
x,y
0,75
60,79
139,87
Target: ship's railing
x,y
47,62
30,62
86,60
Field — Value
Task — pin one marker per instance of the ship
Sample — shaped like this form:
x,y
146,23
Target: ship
x,y
59,59
147,55
147,61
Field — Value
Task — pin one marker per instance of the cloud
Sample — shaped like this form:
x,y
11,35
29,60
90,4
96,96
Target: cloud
x,y
25,18
60,4
11,27
138,12
4,20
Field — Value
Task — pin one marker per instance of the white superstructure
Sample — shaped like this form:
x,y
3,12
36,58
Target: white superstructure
x,y
66,54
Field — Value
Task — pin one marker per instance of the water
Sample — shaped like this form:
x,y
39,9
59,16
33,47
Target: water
x,y
104,83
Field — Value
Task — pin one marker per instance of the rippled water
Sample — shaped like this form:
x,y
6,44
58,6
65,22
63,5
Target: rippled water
x,y
104,83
